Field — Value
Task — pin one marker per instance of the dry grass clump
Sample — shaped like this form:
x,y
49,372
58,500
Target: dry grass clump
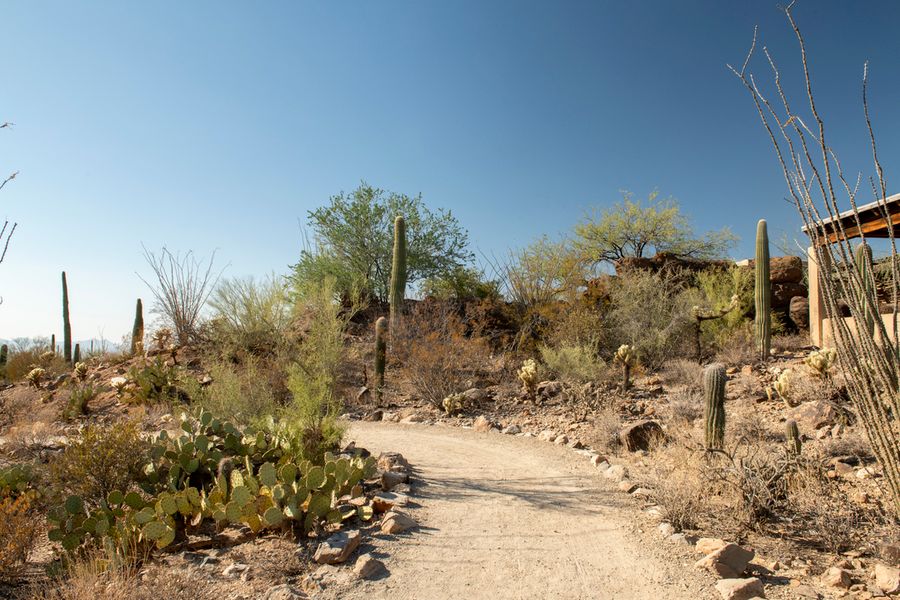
x,y
738,350
685,406
437,356
18,531
90,579
681,372
605,431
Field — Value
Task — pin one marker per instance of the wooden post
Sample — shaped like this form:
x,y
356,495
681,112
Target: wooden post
x,y
817,311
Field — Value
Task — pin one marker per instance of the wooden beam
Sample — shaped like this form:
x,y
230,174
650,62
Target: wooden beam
x,y
877,228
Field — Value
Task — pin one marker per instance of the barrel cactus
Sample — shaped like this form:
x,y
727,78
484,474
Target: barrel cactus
x,y
792,434
627,357
398,272
763,292
380,356
714,391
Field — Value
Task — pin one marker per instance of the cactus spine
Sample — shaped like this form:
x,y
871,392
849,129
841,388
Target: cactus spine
x,y
763,292
4,352
67,326
795,445
76,356
398,272
714,390
380,356
137,332
863,259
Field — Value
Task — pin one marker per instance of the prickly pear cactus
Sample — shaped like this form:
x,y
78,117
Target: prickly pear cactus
x,y
714,378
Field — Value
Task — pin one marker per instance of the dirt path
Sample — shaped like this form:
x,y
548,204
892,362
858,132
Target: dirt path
x,y
506,517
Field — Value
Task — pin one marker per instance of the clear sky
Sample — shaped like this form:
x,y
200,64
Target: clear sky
x,y
217,125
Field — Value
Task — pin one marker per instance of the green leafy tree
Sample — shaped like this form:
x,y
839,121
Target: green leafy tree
x,y
353,241
632,228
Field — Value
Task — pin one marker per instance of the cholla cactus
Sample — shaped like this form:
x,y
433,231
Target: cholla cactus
x,y
821,361
162,338
628,358
453,404
528,375
81,370
782,385
47,356
119,384
34,377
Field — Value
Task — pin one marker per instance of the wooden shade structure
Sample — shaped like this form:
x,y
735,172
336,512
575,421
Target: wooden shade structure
x,y
876,220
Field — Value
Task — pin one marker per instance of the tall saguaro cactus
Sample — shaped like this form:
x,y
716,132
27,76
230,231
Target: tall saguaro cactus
x,y
76,355
137,331
380,356
398,272
862,256
763,292
67,325
53,343
714,391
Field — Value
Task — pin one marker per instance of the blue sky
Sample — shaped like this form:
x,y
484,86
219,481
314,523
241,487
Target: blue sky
x,y
218,125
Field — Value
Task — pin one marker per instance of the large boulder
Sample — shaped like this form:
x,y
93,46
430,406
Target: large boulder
x,y
783,292
814,415
782,269
640,435
799,312
729,561
740,589
337,548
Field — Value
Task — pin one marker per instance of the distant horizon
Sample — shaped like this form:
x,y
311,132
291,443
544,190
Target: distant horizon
x,y
199,127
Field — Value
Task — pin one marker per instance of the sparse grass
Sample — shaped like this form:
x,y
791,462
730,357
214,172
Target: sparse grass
x,y
89,579
242,393
681,372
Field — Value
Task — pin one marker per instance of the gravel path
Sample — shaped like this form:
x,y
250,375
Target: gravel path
x,y
509,517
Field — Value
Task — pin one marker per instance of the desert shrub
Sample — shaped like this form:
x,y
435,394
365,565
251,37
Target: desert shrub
x,y
717,287
462,283
154,382
21,362
605,431
250,315
100,460
682,372
18,529
682,493
436,355
543,272
577,323
79,396
738,349
573,363
652,313
686,404
90,578
242,393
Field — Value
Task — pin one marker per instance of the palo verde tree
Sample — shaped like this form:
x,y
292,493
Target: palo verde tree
x,y
353,242
634,228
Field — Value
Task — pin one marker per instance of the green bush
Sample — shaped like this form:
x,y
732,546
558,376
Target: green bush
x,y
573,363
717,286
462,283
250,316
241,393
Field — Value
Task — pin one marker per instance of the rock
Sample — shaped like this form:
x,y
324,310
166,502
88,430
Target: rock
x,y
799,311
235,569
626,486
561,440
363,395
576,445
482,424
786,269
388,461
640,435
887,578
475,395
375,415
337,548
547,435
666,529
890,554
391,479
783,292
836,577
385,501
511,430
709,545
679,538
549,389
414,418
368,567
813,415
740,589
642,492
283,592
396,522
596,459
728,562
616,473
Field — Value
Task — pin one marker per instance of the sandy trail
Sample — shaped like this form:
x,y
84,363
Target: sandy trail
x,y
506,517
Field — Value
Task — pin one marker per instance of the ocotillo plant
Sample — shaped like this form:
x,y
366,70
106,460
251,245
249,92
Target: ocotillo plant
x,y
67,326
380,356
137,332
714,390
863,259
763,292
4,351
398,272
795,445
76,356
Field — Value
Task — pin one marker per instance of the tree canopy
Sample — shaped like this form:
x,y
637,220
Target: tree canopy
x,y
632,228
353,240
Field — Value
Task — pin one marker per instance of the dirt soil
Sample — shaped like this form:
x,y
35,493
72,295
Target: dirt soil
x,y
512,517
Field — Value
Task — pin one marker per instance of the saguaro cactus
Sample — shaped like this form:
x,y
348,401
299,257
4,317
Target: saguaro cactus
x,y
863,259
380,356
4,353
714,391
67,326
398,272
137,332
76,356
53,342
795,445
763,292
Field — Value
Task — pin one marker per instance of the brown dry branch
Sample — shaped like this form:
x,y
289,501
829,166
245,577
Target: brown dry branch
x,y
817,185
